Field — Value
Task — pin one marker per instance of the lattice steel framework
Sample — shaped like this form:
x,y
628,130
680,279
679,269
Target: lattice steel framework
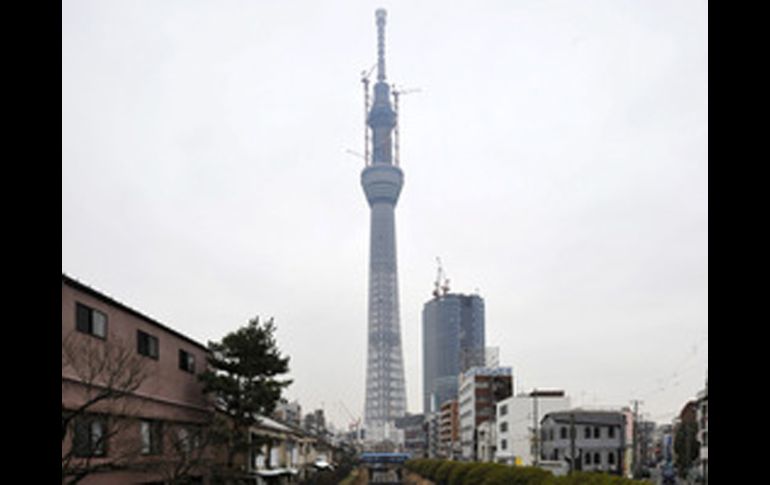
x,y
382,182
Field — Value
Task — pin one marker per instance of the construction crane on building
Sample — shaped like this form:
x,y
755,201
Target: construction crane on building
x,y
355,423
396,94
438,288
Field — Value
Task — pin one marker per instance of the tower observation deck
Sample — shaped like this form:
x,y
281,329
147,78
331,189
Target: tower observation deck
x,y
382,182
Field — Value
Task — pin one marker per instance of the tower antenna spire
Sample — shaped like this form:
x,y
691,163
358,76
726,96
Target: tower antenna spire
x,y
381,15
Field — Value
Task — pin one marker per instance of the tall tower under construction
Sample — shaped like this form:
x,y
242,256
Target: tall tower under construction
x,y
382,180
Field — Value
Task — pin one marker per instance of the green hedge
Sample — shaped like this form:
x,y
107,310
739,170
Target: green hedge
x,y
446,472
459,471
509,475
595,478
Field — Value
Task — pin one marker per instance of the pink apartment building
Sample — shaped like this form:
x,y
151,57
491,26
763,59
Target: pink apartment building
x,y
150,432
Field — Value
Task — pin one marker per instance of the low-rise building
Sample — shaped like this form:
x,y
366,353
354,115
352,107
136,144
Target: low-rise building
x,y
481,389
449,430
288,454
133,409
597,437
517,420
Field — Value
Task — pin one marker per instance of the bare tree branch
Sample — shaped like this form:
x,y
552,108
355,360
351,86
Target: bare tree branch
x,y
101,374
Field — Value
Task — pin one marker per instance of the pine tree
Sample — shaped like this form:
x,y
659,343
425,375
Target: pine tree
x,y
242,379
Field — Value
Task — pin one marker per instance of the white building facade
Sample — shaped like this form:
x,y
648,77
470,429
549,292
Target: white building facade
x,y
517,419
599,439
486,441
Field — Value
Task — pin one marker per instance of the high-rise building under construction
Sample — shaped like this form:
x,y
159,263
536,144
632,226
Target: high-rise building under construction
x,y
382,180
452,342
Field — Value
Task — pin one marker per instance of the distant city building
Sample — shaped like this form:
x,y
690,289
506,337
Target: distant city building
x,y
646,438
449,430
492,357
480,390
599,439
517,417
703,430
288,412
433,430
415,434
453,342
315,422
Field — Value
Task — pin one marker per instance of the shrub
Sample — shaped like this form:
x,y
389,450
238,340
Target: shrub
x,y
425,467
479,472
517,476
429,468
459,472
441,476
595,478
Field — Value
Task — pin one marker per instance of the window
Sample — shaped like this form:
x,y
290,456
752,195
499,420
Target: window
x,y
503,444
504,426
90,436
597,458
587,433
503,410
588,458
152,437
90,321
611,457
597,432
186,361
563,432
611,432
147,344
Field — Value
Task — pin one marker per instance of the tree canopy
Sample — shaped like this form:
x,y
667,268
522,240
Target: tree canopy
x,y
242,378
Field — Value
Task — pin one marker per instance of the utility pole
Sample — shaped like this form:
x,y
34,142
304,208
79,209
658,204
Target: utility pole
x,y
535,426
572,442
634,435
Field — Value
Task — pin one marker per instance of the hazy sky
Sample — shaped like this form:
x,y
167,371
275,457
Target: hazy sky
x,y
555,158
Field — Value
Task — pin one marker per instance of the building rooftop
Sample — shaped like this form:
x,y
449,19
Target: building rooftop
x,y
587,417
73,283
488,371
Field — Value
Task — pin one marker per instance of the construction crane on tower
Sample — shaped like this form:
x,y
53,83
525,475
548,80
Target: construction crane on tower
x,y
396,94
365,75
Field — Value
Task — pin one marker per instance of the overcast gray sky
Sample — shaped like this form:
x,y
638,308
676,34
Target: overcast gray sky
x,y
556,159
